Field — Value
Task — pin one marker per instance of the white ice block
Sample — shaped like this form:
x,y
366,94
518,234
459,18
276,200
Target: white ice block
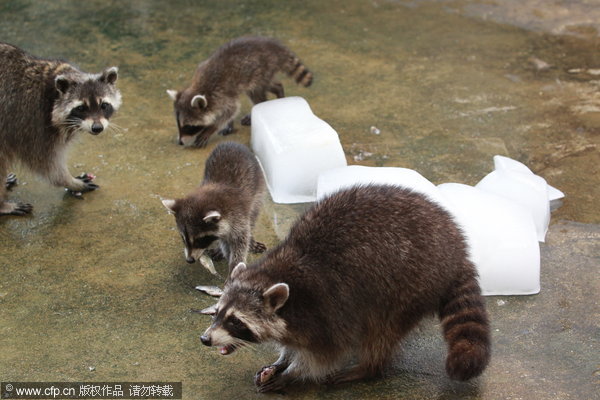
x,y
293,146
336,179
514,181
502,239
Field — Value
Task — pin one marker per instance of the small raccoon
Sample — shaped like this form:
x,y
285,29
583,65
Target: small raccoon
x,y
244,65
356,273
43,105
224,207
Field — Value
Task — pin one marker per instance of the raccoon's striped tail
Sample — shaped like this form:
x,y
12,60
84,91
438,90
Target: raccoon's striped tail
x,y
299,72
466,330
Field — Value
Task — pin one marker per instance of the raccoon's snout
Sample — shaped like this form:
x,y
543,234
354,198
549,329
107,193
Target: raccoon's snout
x,y
190,260
206,340
97,127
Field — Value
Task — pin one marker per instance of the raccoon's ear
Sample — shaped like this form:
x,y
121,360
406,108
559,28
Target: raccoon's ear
x,y
63,83
276,296
172,94
109,75
237,270
199,100
212,216
170,205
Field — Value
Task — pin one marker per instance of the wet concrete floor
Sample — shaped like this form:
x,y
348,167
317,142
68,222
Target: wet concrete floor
x,y
98,289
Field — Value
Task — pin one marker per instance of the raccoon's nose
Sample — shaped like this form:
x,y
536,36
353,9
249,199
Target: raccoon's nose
x,y
190,260
205,340
97,127
180,142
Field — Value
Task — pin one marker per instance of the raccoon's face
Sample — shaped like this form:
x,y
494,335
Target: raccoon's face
x,y
198,228
86,102
246,314
192,115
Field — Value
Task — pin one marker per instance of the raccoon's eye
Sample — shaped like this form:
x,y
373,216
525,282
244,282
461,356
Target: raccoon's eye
x,y
105,106
80,108
235,322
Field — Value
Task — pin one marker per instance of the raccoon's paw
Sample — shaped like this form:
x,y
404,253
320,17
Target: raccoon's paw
x,y
85,184
246,121
11,181
18,209
257,247
228,130
270,379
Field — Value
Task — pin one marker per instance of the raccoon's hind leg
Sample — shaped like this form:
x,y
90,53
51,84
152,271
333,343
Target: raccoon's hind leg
x,y
373,359
277,89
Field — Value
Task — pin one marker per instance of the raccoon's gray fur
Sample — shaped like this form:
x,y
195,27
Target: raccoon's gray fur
x,y
224,207
43,105
357,272
244,65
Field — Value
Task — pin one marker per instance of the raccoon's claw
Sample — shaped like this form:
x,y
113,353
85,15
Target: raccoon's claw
x,y
265,374
11,181
270,379
257,247
88,185
15,209
246,121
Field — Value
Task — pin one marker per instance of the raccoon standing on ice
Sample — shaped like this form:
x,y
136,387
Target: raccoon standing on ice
x,y
224,207
244,65
43,105
356,273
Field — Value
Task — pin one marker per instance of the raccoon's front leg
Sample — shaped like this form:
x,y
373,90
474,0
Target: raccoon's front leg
x,y
228,130
11,181
236,249
257,96
257,247
202,138
10,208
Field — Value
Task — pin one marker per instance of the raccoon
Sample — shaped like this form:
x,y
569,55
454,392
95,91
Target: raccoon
x,y
44,104
244,65
356,273
224,207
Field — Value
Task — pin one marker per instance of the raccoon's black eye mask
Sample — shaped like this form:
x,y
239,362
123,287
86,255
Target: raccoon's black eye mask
x,y
191,130
204,241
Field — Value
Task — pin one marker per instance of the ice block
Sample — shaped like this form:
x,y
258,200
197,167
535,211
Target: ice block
x,y
514,181
340,178
293,146
502,239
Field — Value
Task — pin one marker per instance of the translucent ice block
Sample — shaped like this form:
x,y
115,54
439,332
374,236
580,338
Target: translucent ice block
x,y
293,146
502,239
514,181
340,178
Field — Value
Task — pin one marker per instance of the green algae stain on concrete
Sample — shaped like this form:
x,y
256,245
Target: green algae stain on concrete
x,y
98,289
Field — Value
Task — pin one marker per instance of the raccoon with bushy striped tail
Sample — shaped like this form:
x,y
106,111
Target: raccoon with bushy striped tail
x,y
357,272
245,65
